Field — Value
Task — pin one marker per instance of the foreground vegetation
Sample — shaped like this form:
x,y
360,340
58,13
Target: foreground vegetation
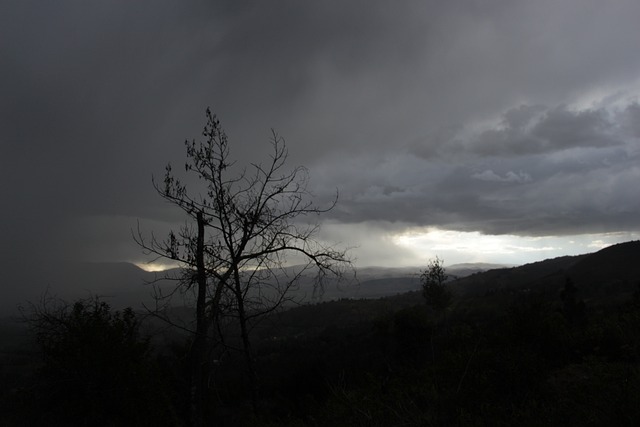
x,y
525,358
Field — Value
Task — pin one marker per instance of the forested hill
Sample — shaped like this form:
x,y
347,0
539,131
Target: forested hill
x,y
610,272
521,347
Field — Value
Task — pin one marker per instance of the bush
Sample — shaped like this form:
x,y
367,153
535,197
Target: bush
x,y
96,369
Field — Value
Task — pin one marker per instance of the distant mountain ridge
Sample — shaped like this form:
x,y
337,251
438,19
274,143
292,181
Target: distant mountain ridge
x,y
612,270
125,284
120,284
615,269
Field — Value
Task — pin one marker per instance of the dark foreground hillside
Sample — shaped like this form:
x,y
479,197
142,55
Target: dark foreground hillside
x,y
547,348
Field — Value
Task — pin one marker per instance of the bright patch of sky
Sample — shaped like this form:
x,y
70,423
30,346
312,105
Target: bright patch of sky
x,y
461,247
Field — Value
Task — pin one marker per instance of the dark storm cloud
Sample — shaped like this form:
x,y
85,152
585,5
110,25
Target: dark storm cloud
x,y
524,132
541,171
460,114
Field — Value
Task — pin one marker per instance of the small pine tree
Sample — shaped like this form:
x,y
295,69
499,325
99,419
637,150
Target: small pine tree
x,y
434,288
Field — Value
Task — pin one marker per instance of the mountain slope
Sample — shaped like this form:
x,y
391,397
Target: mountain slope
x,y
615,269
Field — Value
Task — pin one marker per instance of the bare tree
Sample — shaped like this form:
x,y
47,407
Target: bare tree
x,y
233,249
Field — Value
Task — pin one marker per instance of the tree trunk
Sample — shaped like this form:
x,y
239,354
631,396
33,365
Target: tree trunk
x,y
199,348
246,344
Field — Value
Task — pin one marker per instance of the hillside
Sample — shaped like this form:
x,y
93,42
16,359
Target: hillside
x,y
613,271
508,351
539,274
609,271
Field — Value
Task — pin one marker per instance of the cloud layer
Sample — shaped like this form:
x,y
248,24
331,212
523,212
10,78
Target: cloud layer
x,y
537,171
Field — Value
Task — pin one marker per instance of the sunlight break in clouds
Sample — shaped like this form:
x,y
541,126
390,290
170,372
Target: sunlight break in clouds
x,y
458,247
155,266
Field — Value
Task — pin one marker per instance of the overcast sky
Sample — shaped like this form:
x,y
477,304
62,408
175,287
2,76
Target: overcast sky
x,y
497,131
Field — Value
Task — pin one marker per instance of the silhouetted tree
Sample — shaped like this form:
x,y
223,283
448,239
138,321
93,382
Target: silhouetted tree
x,y
434,288
247,221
